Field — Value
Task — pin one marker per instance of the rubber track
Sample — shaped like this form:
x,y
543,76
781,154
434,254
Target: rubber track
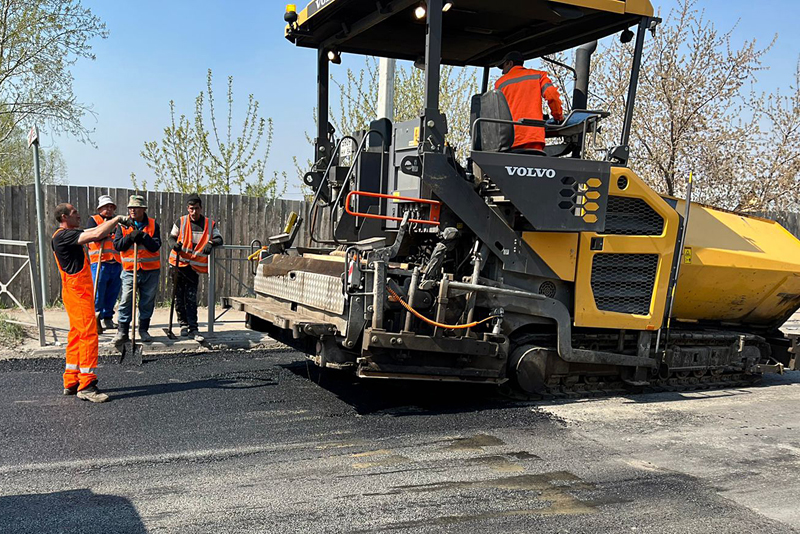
x,y
570,388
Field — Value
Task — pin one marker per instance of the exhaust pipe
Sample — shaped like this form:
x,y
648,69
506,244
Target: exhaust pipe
x,y
583,62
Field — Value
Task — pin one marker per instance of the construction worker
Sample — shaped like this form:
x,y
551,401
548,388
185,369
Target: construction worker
x,y
102,254
76,292
192,238
524,90
146,234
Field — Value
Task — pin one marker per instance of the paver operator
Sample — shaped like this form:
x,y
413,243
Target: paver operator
x,y
77,291
524,90
103,254
192,238
146,234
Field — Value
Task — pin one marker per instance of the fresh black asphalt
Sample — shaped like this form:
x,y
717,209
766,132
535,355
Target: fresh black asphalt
x,y
264,442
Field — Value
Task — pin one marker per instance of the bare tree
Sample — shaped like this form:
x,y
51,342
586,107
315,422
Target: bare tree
x,y
190,158
358,96
693,110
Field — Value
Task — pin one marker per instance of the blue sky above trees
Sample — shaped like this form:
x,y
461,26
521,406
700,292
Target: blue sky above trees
x,y
159,51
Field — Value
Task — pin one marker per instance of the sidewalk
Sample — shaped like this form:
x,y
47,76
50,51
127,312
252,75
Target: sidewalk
x,y
229,333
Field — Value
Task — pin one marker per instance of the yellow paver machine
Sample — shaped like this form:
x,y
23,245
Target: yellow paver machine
x,y
550,270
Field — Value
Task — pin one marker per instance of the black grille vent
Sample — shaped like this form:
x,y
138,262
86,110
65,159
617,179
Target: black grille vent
x,y
624,282
632,216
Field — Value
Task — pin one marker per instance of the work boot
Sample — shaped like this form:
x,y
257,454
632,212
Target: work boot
x,y
100,327
92,394
184,331
122,335
71,391
143,334
195,334
108,323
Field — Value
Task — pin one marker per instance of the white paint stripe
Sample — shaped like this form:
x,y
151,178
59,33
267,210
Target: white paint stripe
x,y
166,458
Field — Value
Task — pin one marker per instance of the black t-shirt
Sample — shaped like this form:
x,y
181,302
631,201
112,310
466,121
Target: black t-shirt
x,y
69,253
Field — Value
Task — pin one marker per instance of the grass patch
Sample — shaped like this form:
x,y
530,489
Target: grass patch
x,y
11,334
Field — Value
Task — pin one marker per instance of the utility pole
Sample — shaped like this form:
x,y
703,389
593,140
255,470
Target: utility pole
x,y
33,141
386,69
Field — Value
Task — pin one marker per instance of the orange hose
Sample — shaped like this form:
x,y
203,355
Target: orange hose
x,y
418,315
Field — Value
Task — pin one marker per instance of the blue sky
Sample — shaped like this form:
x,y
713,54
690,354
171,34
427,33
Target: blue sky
x,y
159,51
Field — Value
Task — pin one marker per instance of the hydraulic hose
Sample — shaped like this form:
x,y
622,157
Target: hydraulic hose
x,y
431,322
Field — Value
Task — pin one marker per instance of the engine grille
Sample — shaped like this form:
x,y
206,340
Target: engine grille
x,y
632,216
624,282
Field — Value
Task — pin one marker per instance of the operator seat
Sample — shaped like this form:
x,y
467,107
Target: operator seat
x,y
495,136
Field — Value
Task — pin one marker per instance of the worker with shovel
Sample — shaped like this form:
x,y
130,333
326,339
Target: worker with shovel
x,y
106,266
76,292
192,237
139,248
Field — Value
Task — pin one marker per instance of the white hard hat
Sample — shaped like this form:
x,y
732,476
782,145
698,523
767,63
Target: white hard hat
x,y
105,200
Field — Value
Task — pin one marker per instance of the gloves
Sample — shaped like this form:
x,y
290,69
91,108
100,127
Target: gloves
x,y
207,249
177,246
135,235
125,221
139,237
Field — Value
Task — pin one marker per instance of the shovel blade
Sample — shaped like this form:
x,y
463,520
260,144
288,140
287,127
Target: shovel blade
x,y
170,334
132,354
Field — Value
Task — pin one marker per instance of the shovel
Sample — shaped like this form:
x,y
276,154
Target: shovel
x,y
131,352
100,328
168,331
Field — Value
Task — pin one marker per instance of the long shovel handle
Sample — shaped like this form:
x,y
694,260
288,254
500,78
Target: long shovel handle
x,y
97,276
135,276
174,289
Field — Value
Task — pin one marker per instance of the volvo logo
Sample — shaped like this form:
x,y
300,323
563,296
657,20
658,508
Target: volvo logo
x,y
531,172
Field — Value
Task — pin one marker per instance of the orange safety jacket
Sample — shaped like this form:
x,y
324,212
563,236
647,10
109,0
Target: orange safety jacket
x,y
524,90
148,261
103,249
192,256
77,292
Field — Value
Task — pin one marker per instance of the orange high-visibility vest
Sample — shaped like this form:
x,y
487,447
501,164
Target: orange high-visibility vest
x,y
524,90
104,248
148,261
192,256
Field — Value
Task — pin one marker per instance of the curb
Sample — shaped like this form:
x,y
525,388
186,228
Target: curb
x,y
216,343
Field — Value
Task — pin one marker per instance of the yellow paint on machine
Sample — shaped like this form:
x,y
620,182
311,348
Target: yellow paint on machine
x,y
558,250
742,269
586,312
636,7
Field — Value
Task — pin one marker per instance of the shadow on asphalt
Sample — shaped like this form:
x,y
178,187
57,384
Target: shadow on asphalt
x,y
244,382
402,397
69,511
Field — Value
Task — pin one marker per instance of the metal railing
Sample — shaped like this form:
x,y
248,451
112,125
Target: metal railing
x,y
215,262
36,289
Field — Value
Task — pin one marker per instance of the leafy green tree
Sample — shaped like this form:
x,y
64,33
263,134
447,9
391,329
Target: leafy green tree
x,y
190,157
39,41
16,160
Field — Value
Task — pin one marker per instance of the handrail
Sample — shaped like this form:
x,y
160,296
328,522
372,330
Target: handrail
x,y
325,177
434,215
349,175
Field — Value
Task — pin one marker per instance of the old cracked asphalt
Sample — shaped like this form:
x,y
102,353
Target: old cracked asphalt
x,y
261,442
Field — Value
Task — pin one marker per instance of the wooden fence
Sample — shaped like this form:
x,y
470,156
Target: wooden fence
x,y
241,219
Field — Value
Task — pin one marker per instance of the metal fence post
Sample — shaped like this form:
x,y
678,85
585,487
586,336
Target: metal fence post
x,y
212,282
37,293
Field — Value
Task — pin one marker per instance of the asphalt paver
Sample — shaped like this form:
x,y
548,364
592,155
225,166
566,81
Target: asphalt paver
x,y
262,441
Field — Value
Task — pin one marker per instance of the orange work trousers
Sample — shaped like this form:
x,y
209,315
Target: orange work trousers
x,y
77,292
